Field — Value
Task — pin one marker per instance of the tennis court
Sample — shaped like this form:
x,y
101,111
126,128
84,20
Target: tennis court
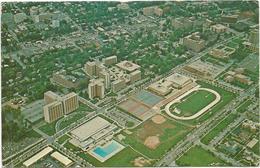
x,y
147,98
136,108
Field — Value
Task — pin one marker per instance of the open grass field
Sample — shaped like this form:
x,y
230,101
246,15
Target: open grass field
x,y
124,158
49,128
194,102
63,139
243,107
226,97
197,156
216,130
256,149
169,133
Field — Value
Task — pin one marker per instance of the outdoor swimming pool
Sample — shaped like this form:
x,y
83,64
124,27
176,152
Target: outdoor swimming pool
x,y
105,152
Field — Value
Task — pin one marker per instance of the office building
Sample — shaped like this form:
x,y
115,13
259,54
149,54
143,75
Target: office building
x,y
158,11
182,23
50,97
90,133
218,28
222,52
90,68
135,76
61,78
128,66
172,82
118,85
70,102
53,111
110,60
96,88
194,42
56,106
148,11
106,77
229,19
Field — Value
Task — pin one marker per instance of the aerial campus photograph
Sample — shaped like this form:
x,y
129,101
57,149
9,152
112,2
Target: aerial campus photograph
x,y
130,84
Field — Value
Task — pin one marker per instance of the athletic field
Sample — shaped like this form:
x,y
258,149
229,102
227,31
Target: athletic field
x,y
193,103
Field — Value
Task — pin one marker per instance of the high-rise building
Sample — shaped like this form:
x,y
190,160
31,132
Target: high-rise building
x,y
158,11
50,97
118,85
93,68
53,111
194,42
135,76
70,102
56,106
90,68
96,88
106,76
110,60
148,11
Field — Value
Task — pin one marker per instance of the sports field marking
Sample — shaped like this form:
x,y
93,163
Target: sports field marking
x,y
217,99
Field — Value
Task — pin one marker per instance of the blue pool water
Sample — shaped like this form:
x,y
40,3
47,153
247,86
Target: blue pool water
x,y
104,151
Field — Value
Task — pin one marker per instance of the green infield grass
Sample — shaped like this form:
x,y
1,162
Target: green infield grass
x,y
197,156
194,102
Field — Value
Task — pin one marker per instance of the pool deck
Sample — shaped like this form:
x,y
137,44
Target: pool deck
x,y
103,159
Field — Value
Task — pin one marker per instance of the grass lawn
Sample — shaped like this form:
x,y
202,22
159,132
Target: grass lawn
x,y
169,132
70,120
226,97
124,158
63,139
71,147
49,128
256,149
220,127
33,134
197,156
232,44
194,102
243,107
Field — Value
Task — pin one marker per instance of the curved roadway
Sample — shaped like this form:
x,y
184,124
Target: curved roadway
x,y
167,107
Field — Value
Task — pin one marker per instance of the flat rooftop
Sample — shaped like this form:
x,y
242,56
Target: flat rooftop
x,y
88,129
38,156
61,158
128,66
178,79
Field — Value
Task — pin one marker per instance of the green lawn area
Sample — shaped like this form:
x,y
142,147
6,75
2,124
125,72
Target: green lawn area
x,y
226,97
232,44
243,107
33,134
63,139
170,133
256,149
220,127
124,158
71,147
194,102
197,156
66,122
49,128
